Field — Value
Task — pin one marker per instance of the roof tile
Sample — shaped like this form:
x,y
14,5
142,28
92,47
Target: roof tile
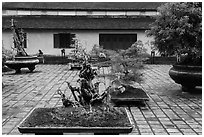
x,y
78,23
82,5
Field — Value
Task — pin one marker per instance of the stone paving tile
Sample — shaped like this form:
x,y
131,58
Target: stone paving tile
x,y
168,112
173,108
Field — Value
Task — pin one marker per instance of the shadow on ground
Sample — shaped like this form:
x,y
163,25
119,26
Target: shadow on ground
x,y
196,93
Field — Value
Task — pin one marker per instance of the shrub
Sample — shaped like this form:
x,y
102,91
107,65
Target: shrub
x,y
6,55
126,63
178,29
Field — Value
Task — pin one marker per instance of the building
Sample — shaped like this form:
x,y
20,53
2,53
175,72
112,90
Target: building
x,y
49,26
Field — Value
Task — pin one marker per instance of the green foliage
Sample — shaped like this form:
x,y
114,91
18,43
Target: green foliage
x,y
6,55
178,28
126,63
79,52
136,50
96,50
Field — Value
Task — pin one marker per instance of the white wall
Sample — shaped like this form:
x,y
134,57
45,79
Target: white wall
x,y
44,40
40,40
7,40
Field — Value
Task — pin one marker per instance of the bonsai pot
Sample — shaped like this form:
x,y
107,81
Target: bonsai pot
x,y
22,62
188,76
76,66
61,120
131,96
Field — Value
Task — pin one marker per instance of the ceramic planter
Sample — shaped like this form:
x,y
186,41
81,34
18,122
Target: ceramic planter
x,y
22,62
25,128
76,66
188,76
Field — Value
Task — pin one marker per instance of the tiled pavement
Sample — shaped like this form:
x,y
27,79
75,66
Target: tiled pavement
x,y
169,110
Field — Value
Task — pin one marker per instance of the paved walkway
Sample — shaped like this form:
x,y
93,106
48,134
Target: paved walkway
x,y
169,111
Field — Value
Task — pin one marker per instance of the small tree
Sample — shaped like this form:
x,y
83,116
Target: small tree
x,y
178,28
79,52
125,63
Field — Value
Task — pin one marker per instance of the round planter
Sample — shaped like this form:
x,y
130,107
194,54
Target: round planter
x,y
22,62
188,76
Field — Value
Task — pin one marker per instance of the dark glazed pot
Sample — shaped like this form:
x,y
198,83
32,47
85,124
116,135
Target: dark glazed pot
x,y
22,62
188,76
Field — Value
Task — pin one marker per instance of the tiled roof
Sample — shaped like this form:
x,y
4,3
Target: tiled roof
x,y
81,5
79,23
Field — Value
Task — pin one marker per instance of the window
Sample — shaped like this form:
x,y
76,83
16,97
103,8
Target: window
x,y
63,40
117,41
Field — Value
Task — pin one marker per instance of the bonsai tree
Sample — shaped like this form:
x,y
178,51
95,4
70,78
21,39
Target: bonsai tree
x,y
18,39
87,94
21,59
78,53
125,71
178,30
125,63
97,54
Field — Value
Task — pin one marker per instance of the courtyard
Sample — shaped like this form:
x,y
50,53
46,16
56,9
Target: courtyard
x,y
169,111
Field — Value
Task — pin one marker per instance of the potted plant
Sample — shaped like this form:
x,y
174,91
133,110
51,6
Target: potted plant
x,y
98,56
21,59
77,55
90,111
125,66
6,55
177,30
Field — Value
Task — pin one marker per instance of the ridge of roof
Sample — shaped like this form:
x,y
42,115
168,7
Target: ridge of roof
x,y
81,5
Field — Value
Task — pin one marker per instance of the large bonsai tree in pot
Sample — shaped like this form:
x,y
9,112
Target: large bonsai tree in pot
x,y
125,67
177,30
21,59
